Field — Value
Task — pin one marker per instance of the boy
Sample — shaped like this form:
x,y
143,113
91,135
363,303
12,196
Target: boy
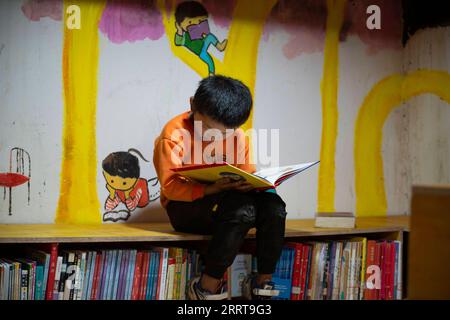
x,y
226,209
191,22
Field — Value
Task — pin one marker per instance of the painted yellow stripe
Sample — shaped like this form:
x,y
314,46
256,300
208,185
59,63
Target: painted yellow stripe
x,y
241,54
78,200
385,96
329,89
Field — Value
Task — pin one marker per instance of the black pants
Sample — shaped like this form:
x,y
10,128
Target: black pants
x,y
228,216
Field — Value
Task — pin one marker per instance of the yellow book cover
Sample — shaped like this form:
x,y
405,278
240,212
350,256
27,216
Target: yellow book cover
x,y
263,179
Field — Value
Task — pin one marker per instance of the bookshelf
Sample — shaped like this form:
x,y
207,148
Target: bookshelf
x,y
143,236
163,232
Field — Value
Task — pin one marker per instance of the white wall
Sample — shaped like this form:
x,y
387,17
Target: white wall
x,y
147,83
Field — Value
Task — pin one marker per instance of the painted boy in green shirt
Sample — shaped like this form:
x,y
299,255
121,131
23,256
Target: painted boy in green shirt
x,y
191,21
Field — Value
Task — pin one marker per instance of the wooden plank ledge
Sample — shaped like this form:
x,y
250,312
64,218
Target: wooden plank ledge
x,y
152,232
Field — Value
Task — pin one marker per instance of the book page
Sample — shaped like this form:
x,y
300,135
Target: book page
x,y
275,174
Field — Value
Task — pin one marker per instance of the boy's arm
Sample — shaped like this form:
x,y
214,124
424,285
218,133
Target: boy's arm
x,y
173,186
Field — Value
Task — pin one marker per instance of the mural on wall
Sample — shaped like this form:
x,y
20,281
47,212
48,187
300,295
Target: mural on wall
x,y
19,173
193,32
121,171
311,25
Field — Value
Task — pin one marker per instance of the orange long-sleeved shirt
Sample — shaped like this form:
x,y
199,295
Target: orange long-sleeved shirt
x,y
235,149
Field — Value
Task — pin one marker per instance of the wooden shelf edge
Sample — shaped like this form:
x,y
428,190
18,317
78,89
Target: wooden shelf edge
x,y
163,232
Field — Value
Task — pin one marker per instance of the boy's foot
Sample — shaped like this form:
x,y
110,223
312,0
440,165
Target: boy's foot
x,y
196,292
221,46
252,291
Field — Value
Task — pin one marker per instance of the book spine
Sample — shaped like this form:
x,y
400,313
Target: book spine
x,y
62,277
39,282
86,278
23,283
130,275
151,262
92,271
52,270
163,278
97,273
116,274
383,270
57,278
144,278
399,271
305,292
76,275
122,276
137,277
156,275
296,277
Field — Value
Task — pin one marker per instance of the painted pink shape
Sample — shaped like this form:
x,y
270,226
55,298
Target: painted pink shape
x,y
221,11
34,10
305,22
390,35
131,21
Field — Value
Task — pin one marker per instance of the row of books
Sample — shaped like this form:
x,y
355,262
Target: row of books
x,y
155,274
334,270
357,269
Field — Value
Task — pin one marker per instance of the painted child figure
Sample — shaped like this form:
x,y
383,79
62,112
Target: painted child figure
x,y
191,22
122,174
228,208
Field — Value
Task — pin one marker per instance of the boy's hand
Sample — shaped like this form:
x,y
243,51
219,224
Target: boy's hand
x,y
225,184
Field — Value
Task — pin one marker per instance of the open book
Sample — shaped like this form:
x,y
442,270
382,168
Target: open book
x,y
264,179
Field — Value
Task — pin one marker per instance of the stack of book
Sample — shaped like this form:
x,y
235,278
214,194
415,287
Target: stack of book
x,y
336,270
353,269
158,273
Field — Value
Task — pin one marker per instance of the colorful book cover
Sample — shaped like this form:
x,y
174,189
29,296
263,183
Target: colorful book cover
x,y
90,280
330,276
52,269
182,294
102,276
130,275
82,275
42,258
62,276
69,275
171,278
105,276
399,270
163,273
116,274
144,278
155,275
363,268
96,261
151,264
85,280
337,270
122,275
240,269
323,272
137,276
39,282
382,295
58,272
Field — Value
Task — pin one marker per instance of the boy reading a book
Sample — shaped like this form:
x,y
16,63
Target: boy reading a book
x,y
228,208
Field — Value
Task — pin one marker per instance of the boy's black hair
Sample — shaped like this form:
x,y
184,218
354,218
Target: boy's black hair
x,y
122,164
223,99
189,9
